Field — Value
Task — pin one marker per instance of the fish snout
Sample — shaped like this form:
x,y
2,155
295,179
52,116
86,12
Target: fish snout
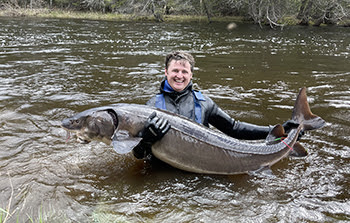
x,y
65,123
70,124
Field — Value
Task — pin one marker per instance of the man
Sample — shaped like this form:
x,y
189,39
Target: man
x,y
177,96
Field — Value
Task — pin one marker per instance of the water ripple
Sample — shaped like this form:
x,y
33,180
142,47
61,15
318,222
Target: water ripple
x,y
54,68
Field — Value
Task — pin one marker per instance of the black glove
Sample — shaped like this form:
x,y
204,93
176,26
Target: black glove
x,y
155,128
291,124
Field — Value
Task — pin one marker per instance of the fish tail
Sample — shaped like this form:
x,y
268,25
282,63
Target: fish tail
x,y
303,115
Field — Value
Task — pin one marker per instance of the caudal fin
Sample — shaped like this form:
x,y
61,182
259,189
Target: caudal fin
x,y
302,113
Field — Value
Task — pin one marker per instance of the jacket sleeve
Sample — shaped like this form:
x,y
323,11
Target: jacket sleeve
x,y
236,129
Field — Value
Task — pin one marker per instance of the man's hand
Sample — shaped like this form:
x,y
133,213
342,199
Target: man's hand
x,y
289,125
155,128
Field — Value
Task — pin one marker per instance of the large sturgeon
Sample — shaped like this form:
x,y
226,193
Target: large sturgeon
x,y
190,146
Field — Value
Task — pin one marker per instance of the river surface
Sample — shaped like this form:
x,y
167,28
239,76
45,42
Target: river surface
x,y
51,69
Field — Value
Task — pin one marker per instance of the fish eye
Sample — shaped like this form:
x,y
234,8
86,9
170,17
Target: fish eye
x,y
74,121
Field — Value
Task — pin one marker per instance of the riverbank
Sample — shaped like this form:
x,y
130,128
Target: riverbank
x,y
71,14
68,14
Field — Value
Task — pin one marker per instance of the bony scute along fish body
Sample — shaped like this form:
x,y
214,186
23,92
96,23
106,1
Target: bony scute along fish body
x,y
190,146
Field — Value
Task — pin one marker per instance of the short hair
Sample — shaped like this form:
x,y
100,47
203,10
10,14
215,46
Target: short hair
x,y
179,55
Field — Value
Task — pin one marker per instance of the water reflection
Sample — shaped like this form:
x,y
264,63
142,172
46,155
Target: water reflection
x,y
52,68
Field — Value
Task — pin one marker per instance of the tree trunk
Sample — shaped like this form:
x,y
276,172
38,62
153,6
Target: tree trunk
x,y
327,17
205,7
304,12
157,13
302,9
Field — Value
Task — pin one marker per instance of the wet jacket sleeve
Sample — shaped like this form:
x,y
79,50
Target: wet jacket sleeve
x,y
142,150
236,129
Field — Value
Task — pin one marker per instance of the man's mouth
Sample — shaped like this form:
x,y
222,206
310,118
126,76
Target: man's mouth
x,y
179,81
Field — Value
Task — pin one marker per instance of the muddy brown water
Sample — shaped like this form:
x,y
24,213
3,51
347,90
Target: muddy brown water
x,y
52,68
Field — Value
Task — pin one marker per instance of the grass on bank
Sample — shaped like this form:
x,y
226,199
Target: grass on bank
x,y
70,14
67,14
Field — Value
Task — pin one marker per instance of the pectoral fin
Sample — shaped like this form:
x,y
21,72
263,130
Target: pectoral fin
x,y
123,142
298,150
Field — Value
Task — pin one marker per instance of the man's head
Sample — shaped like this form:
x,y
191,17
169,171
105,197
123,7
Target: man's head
x,y
179,69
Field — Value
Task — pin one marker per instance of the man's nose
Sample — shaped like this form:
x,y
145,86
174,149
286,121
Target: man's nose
x,y
180,73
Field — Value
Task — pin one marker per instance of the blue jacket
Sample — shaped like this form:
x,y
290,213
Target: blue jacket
x,y
184,103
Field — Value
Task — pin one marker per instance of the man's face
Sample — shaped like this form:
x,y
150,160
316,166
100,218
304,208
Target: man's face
x,y
178,74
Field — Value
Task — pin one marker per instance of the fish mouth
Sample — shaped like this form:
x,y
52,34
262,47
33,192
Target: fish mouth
x,y
80,138
83,141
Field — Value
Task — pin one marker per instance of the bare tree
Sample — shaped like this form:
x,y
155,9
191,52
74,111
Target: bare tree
x,y
322,11
329,12
205,8
262,12
304,12
266,11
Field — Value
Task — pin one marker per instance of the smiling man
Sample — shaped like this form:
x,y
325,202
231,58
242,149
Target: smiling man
x,y
177,96
179,73
176,93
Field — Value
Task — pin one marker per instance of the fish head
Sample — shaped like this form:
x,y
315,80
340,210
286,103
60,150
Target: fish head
x,y
92,125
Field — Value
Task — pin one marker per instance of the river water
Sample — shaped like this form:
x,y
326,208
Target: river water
x,y
51,69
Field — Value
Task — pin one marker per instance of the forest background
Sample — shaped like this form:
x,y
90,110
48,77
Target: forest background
x,y
263,12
